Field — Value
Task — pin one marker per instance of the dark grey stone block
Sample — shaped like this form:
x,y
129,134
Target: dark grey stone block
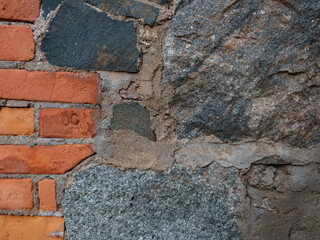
x,y
132,116
105,203
80,37
128,8
49,5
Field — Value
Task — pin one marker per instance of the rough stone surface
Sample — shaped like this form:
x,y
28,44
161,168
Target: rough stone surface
x,y
132,116
245,69
128,8
81,37
284,203
177,204
161,2
243,155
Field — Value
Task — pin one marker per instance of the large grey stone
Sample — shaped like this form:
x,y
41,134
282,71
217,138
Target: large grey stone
x,y
246,69
81,37
105,203
128,8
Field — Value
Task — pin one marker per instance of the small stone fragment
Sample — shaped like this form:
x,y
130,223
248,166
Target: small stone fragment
x,y
132,116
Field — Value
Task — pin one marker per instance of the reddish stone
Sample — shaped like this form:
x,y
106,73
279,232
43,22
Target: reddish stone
x,y
16,121
47,195
57,159
49,86
20,10
16,43
31,228
16,194
69,123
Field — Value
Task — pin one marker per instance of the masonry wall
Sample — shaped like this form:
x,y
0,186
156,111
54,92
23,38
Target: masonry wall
x,y
159,119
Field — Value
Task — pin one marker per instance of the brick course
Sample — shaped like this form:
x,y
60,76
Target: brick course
x,y
16,194
49,86
16,43
69,123
31,228
20,10
47,195
57,159
17,121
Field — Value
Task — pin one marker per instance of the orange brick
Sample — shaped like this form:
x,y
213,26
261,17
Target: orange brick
x,y
47,195
49,86
16,194
57,159
20,10
69,123
31,228
16,121
16,43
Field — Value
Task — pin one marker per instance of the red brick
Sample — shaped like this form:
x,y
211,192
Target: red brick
x,y
47,195
16,43
20,10
16,194
31,228
49,86
16,121
69,123
57,159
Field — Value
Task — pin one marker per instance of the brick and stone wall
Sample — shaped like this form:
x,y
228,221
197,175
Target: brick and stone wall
x,y
159,119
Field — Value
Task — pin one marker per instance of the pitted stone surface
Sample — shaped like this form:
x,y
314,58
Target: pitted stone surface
x,y
128,8
81,37
246,69
105,203
132,116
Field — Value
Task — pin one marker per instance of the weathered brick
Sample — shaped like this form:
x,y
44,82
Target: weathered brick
x,y
20,10
16,43
47,195
49,86
17,121
27,228
16,194
69,123
42,159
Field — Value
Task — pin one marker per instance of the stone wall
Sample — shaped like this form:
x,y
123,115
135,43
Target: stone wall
x,y
159,119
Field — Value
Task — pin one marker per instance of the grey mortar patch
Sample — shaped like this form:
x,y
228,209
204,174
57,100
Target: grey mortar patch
x,y
132,116
106,203
127,8
83,38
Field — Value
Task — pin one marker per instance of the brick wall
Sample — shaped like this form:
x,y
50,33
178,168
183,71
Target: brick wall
x,y
30,172
159,119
